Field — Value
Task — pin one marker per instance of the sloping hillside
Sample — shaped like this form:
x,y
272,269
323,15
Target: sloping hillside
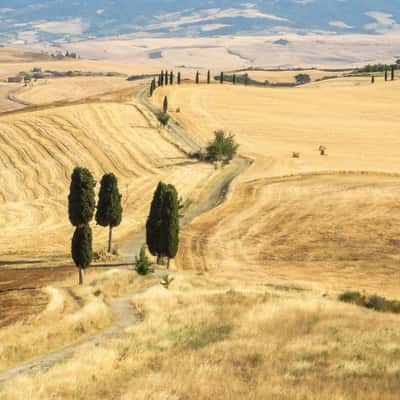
x,y
38,151
321,226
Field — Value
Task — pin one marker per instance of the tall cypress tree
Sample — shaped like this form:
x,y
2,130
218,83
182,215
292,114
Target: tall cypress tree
x,y
209,77
373,79
152,86
109,208
386,75
234,79
392,72
170,223
165,105
221,78
81,249
171,78
154,237
166,78
179,78
246,79
197,77
81,198
162,78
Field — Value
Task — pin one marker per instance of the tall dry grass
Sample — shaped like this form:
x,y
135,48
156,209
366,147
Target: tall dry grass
x,y
215,340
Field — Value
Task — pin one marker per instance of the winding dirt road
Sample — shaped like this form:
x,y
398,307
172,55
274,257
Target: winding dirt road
x,y
124,314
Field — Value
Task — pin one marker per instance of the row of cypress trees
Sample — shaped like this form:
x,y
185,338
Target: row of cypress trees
x,y
166,78
162,226
81,209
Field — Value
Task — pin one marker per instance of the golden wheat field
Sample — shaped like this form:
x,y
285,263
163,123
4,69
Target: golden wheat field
x,y
334,222
252,312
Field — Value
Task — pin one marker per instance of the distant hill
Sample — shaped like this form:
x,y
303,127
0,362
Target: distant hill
x,y
61,21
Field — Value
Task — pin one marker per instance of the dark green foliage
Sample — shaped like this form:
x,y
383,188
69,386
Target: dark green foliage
x,y
152,87
234,79
375,302
209,77
163,118
222,148
165,105
170,223
166,78
81,248
162,226
171,78
109,208
197,77
386,75
179,78
81,199
159,80
376,68
372,79
221,78
162,78
154,221
143,266
246,79
302,79
392,72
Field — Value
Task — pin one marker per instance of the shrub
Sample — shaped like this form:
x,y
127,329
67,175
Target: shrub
x,y
375,302
163,118
143,266
302,79
222,148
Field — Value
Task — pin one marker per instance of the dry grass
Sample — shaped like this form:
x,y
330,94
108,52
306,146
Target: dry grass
x,y
38,151
71,313
333,231
207,339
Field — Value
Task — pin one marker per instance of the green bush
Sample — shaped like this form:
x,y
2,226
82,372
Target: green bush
x,y
375,302
143,266
163,118
222,148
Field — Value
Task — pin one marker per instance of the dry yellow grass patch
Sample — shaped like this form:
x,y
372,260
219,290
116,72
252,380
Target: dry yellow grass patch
x,y
72,313
70,89
208,339
38,151
287,76
331,230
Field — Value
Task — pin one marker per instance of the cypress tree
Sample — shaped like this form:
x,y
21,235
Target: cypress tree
x,y
221,78
165,105
170,223
162,78
234,79
81,249
197,77
154,237
246,79
179,78
159,80
171,78
373,79
166,78
386,75
392,73
81,198
208,77
152,87
109,209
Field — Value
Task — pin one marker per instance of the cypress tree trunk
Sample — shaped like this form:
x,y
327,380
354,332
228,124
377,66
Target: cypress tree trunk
x,y
110,239
81,275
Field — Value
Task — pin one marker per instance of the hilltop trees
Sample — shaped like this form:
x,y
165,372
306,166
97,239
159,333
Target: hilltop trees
x,y
109,209
221,78
162,226
81,204
208,76
179,78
